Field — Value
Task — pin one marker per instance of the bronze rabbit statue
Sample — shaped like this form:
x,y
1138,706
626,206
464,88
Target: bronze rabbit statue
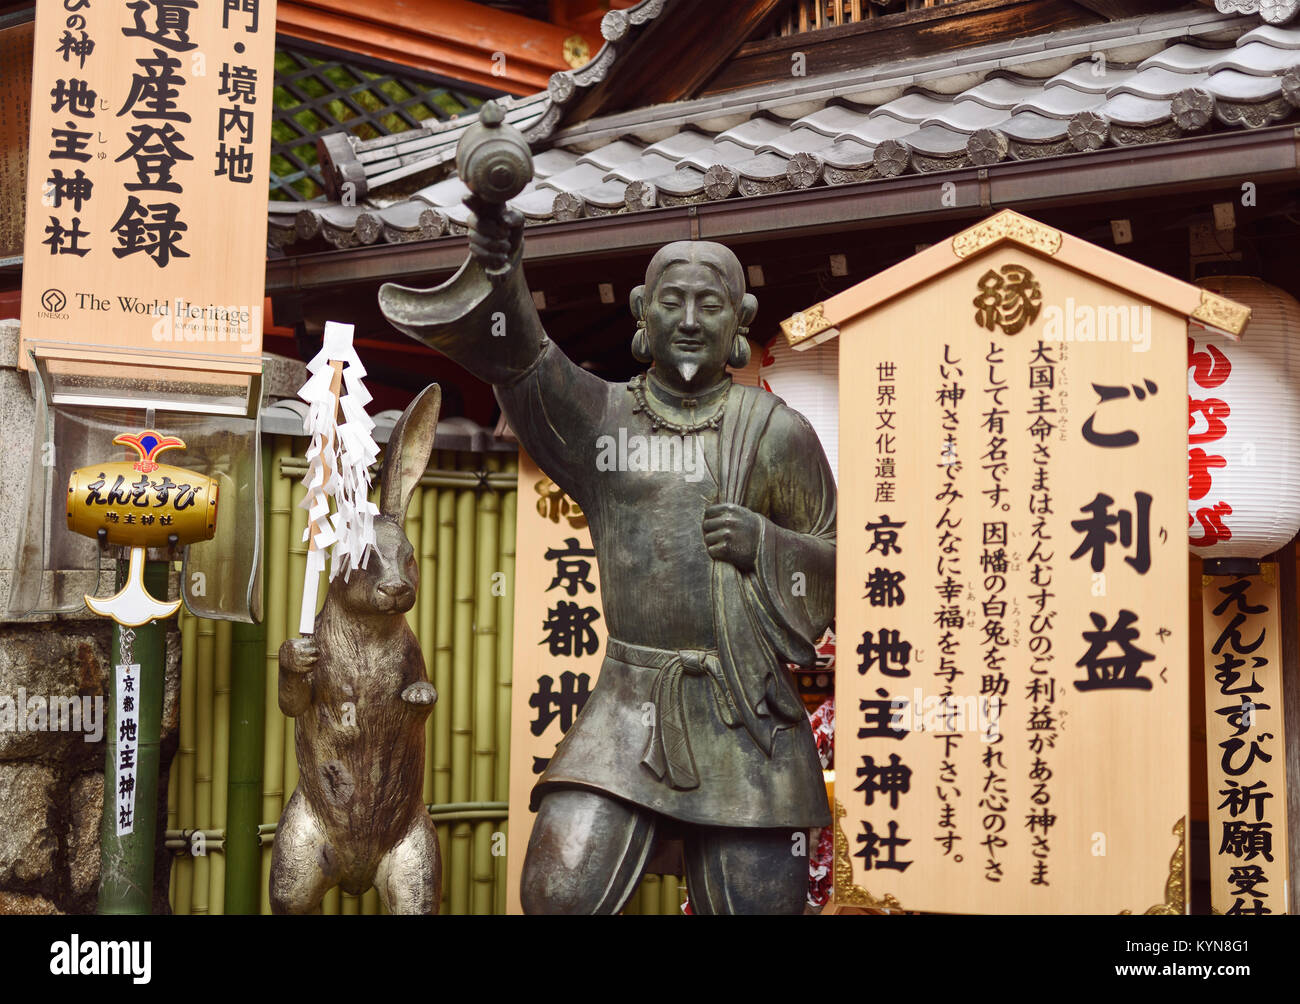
x,y
358,692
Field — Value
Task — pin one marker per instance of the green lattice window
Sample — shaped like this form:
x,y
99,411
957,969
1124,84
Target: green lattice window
x,y
317,93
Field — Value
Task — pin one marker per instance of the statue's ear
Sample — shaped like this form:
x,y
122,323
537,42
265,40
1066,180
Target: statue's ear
x,y
637,302
408,452
748,309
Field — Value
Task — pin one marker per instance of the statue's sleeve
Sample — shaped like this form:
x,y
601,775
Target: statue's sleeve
x,y
555,409
492,329
794,571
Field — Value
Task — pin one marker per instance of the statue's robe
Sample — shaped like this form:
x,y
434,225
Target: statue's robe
x,y
694,715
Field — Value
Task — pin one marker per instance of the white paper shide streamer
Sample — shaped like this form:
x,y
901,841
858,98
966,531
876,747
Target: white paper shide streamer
x,y
338,466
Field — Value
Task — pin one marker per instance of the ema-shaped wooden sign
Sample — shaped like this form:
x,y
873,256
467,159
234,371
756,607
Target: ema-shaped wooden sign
x,y
1012,707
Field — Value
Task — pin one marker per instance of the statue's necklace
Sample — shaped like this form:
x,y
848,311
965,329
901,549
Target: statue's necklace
x,y
644,405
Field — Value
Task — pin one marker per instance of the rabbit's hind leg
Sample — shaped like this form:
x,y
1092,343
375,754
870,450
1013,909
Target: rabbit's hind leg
x,y
303,865
409,876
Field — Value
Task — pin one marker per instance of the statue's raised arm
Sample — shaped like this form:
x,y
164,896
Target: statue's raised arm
x,y
484,317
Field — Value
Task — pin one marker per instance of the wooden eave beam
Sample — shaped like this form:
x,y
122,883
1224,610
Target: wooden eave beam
x,y
450,38
1117,10
925,32
676,54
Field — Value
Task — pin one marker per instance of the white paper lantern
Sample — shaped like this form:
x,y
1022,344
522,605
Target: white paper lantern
x,y
1243,435
809,383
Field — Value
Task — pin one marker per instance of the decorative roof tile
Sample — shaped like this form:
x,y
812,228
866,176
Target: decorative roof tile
x,y
720,151
685,143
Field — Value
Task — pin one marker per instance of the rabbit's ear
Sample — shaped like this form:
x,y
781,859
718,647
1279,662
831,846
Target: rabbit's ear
x,y
408,451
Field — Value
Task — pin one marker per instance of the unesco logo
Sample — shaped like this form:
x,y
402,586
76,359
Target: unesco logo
x,y
53,300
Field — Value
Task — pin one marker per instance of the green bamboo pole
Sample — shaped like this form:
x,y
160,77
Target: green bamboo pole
x,y
220,760
297,558
505,605
671,896
462,694
205,631
427,550
483,869
126,866
186,755
433,478
649,894
444,610
470,816
370,902
173,772
278,605
505,667
414,521
248,644
442,651
332,904
487,533
351,905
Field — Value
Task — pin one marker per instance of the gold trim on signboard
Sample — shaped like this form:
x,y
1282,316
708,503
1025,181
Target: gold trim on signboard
x,y
1222,313
1007,225
845,892
1267,572
803,325
1175,904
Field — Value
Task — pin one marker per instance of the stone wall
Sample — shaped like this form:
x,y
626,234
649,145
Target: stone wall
x,y
52,783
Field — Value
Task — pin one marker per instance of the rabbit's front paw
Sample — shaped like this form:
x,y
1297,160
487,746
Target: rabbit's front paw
x,y
299,655
420,694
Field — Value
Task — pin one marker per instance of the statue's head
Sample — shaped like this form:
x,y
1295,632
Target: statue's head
x,y
692,314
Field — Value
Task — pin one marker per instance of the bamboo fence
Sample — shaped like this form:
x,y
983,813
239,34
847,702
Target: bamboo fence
x,y
461,521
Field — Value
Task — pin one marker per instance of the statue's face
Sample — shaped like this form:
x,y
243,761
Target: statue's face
x,y
691,323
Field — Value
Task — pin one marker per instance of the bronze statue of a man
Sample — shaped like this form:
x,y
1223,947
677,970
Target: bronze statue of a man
x,y
712,579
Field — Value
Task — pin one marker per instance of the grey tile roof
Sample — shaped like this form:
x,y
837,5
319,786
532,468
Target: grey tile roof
x,y
1036,97
371,165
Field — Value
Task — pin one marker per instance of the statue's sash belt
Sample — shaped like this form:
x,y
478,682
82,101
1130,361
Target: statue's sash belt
x,y
668,753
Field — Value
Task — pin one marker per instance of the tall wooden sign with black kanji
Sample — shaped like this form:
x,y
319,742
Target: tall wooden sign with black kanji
x,y
1012,703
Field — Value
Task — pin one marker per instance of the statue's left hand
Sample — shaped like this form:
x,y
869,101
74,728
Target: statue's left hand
x,y
731,533
495,232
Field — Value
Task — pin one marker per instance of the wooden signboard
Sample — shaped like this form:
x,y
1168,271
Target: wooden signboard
x,y
559,643
1012,730
15,124
1245,743
146,183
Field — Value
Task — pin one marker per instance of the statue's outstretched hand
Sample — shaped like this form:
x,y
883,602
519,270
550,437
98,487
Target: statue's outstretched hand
x,y
495,233
731,534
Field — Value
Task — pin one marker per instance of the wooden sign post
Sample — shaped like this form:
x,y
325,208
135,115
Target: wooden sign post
x,y
1012,725
1245,743
559,643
